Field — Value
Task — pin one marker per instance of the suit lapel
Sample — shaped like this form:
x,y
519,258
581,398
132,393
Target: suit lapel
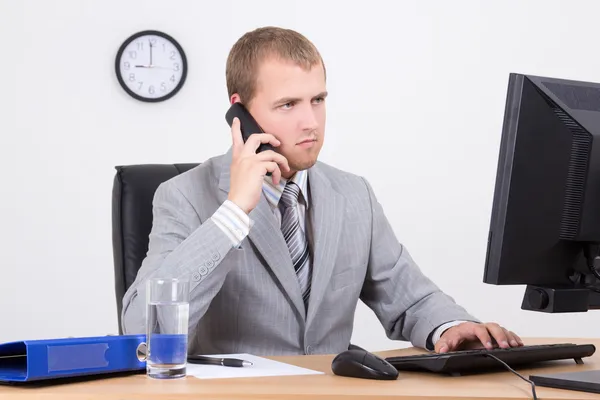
x,y
326,216
266,236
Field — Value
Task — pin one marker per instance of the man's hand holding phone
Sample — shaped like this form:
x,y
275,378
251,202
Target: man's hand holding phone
x,y
248,168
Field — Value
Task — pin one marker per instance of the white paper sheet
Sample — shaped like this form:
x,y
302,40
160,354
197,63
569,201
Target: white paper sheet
x,y
261,367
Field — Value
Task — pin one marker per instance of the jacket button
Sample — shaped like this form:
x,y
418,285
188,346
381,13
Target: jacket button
x,y
309,350
215,256
210,263
203,270
195,277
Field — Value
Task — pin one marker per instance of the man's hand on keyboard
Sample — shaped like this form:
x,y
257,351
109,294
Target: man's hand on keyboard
x,y
470,335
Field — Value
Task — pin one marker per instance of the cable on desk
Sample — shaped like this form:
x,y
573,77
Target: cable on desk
x,y
516,373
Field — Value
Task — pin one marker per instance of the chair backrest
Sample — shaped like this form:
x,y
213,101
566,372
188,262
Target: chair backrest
x,y
133,192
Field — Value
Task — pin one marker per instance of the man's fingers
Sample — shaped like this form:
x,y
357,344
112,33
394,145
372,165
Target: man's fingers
x,y
276,175
513,339
519,340
483,335
236,136
455,342
498,334
441,346
256,139
270,155
450,342
273,168
471,333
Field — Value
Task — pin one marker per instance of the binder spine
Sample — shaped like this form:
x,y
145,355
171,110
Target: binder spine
x,y
60,358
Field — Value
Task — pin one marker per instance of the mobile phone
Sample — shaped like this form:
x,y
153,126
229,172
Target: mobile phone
x,y
248,124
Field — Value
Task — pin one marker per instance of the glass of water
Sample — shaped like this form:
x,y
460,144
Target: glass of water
x,y
167,328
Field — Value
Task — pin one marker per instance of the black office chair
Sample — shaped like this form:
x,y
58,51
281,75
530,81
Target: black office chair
x,y
133,192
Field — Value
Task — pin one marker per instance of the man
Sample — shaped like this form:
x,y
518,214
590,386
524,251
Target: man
x,y
278,263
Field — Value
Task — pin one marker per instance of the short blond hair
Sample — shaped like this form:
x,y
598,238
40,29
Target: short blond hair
x,y
255,46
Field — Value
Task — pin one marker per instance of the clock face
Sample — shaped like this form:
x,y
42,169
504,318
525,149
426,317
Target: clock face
x,y
151,66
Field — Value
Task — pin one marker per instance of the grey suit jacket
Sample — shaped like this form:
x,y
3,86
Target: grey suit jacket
x,y
248,299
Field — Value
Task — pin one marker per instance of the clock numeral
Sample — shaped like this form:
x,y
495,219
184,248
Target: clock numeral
x,y
172,55
172,79
133,54
132,77
141,84
151,90
153,41
140,46
163,87
126,65
176,66
164,47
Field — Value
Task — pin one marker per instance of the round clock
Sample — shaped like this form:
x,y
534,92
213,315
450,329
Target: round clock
x,y
151,66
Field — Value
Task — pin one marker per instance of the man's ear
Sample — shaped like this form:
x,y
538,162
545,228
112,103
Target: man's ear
x,y
235,98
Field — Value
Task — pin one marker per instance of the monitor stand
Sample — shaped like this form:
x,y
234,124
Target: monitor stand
x,y
585,381
564,299
559,299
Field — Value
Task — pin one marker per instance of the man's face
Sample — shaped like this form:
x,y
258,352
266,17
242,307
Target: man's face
x,y
290,104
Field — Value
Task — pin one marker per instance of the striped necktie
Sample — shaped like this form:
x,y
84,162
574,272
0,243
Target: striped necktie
x,y
296,239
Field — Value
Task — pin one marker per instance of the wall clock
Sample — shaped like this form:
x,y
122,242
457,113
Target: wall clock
x,y
151,66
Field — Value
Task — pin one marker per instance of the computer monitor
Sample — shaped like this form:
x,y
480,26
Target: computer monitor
x,y
545,222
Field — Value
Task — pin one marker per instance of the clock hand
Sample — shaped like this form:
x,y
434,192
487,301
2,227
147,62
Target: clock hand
x,y
152,66
150,51
159,67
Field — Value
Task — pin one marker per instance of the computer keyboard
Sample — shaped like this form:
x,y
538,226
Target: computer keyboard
x,y
470,361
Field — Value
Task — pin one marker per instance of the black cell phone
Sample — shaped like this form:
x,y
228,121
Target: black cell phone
x,y
248,124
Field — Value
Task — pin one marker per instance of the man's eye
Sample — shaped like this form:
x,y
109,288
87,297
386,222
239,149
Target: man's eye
x,y
287,105
319,99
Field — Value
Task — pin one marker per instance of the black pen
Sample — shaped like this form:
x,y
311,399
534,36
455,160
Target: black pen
x,y
226,362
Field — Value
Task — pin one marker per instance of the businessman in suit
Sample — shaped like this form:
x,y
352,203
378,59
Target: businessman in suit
x,y
277,263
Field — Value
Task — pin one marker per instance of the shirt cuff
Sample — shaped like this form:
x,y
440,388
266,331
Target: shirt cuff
x,y
233,221
437,334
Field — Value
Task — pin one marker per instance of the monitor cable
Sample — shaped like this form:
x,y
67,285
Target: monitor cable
x,y
592,256
516,373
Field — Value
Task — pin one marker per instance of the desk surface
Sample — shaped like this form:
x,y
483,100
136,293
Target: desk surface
x,y
501,385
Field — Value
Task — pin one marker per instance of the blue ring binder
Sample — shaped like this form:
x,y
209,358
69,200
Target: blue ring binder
x,y
35,360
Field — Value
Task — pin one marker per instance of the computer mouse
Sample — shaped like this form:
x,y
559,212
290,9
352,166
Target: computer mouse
x,y
359,363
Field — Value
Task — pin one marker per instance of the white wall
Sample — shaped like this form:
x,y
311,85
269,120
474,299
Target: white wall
x,y
417,93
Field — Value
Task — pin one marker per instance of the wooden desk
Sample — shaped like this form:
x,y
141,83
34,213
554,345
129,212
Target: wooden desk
x,y
501,385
